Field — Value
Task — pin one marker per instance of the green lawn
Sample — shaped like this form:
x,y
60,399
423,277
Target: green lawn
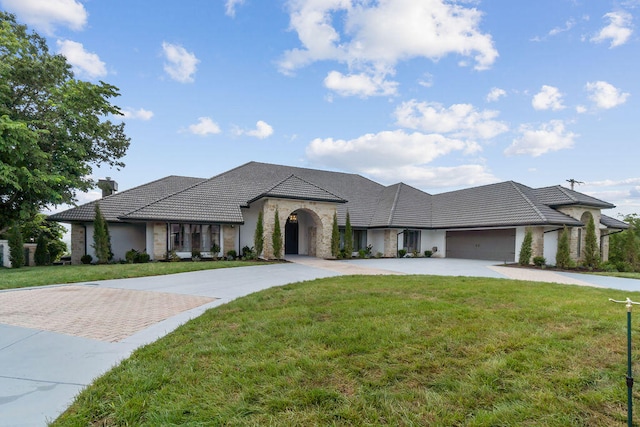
x,y
381,350
54,275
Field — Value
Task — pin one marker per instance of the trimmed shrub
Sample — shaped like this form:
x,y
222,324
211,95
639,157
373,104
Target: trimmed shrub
x,y
563,255
41,256
539,261
335,237
402,253
525,249
231,255
86,259
276,237
591,253
16,247
348,237
428,254
258,235
101,237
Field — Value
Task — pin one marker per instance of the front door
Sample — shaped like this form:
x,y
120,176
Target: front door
x,y
291,237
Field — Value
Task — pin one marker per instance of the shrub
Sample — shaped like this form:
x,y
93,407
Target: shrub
x,y
101,237
362,253
41,257
379,254
196,255
609,267
539,261
215,250
172,256
231,255
591,252
86,259
248,253
335,237
130,256
563,256
428,253
258,236
143,258
402,253
525,249
348,237
16,247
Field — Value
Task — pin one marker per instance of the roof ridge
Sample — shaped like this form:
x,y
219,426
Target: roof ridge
x,y
528,200
306,182
392,212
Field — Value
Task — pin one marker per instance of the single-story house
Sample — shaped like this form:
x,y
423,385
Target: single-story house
x,y
185,214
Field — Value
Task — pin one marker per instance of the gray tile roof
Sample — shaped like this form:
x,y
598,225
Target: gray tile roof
x,y
559,196
221,198
121,203
613,223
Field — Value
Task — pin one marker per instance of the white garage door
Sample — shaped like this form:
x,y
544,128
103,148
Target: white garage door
x,y
496,245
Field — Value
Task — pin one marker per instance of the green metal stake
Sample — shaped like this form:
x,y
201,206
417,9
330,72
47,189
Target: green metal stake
x,y
629,304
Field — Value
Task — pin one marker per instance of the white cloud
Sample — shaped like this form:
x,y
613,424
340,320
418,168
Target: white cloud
x,y
383,150
204,127
83,62
605,95
581,109
618,31
550,136
567,26
549,98
181,65
361,85
230,7
140,114
374,36
263,130
459,120
45,15
495,94
424,177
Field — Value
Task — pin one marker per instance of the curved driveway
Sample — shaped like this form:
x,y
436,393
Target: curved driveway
x,y
55,340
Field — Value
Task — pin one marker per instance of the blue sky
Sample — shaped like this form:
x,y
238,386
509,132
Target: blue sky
x,y
438,94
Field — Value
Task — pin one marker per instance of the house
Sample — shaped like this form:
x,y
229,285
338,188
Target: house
x,y
185,214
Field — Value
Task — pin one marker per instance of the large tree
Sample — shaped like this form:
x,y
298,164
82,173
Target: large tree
x,y
54,129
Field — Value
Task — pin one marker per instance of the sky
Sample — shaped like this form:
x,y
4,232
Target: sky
x,y
440,95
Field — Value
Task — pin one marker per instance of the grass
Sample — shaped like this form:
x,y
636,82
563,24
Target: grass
x,y
627,275
52,275
380,350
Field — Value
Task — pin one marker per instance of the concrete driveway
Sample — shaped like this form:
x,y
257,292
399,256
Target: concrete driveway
x,y
56,340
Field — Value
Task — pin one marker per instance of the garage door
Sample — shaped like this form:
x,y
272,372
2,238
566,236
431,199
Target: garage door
x,y
496,245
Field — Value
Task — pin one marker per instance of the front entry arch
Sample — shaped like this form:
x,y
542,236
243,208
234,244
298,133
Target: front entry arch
x,y
291,235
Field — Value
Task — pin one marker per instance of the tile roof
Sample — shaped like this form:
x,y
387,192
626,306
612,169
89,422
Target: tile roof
x,y
613,223
370,204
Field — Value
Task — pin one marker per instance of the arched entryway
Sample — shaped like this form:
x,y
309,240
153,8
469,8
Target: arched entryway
x,y
292,235
300,232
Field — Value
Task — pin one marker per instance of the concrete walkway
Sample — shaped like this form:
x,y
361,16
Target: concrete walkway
x,y
56,340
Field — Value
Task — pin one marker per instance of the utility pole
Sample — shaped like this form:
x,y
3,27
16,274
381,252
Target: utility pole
x,y
574,182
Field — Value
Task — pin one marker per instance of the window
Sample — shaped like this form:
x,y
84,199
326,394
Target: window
x,y
412,240
194,237
359,239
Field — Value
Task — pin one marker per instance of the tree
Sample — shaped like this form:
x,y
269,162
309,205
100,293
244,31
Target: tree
x,y
53,127
276,237
348,237
630,247
563,255
101,238
525,249
591,254
335,237
53,232
41,256
16,247
258,235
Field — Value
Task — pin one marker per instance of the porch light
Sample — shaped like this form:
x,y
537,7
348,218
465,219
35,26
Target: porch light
x,y
293,218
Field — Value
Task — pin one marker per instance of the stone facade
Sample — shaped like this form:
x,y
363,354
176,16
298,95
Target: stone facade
x,y
159,240
390,244
577,234
537,244
228,239
78,242
318,235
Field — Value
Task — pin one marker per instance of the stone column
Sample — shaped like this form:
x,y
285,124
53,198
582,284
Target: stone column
x,y
78,242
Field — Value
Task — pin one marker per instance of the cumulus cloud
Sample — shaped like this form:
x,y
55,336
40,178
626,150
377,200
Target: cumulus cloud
x,y
605,95
362,85
263,130
230,7
45,15
459,120
374,36
204,127
495,94
551,136
549,98
83,62
139,114
433,177
618,31
181,65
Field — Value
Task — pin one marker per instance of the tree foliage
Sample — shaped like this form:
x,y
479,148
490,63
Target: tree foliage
x,y
258,235
348,237
335,237
41,256
591,253
525,249
101,237
16,247
53,128
624,247
563,254
276,237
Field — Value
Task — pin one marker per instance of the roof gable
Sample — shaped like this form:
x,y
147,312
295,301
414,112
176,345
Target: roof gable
x,y
294,187
558,195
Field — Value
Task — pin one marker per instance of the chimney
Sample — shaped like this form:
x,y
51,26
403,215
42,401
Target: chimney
x,y
108,186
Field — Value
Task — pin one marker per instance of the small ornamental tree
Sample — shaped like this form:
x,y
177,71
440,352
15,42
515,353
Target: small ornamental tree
x,y
335,237
16,247
41,256
101,238
590,253
276,237
563,255
348,237
258,236
525,249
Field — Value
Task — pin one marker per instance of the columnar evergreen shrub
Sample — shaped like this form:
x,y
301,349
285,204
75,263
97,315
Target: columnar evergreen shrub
x,y
563,255
525,249
630,248
16,247
258,236
101,238
335,237
591,253
276,237
348,237
41,256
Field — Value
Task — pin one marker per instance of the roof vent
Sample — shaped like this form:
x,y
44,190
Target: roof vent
x,y
108,186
